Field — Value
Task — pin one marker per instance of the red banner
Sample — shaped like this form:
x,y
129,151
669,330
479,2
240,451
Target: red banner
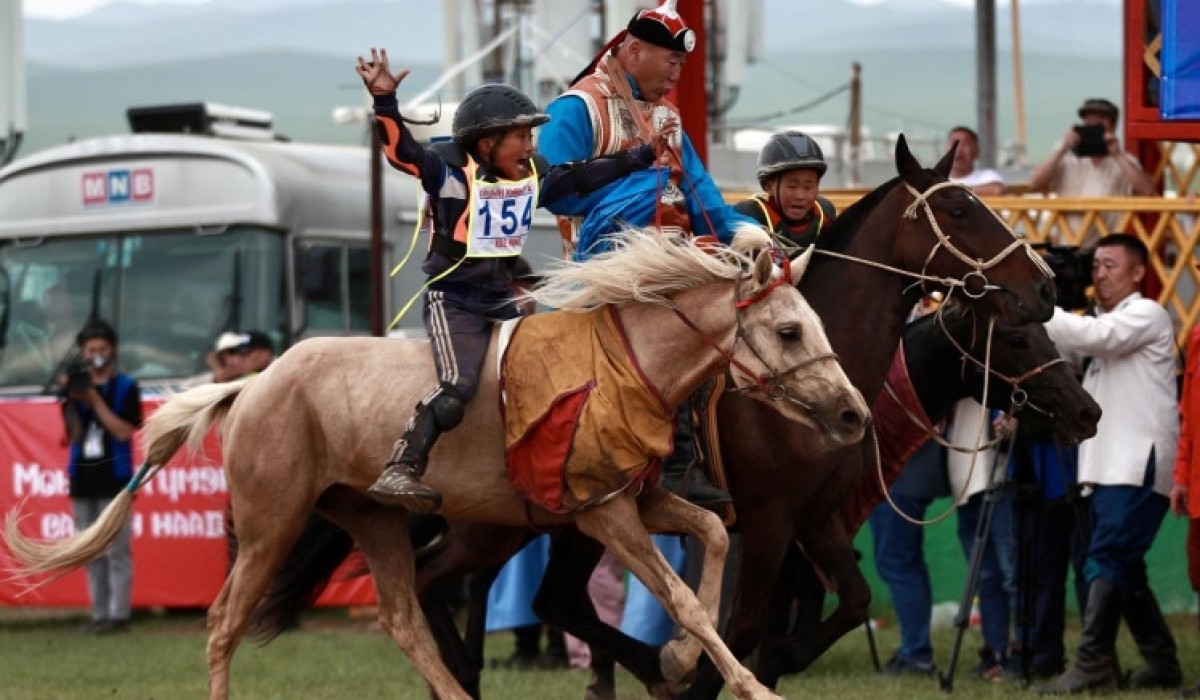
x,y
179,545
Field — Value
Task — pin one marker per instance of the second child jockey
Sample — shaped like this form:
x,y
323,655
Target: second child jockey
x,y
481,190
790,167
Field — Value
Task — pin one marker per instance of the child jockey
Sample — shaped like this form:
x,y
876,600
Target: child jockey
x,y
490,166
790,167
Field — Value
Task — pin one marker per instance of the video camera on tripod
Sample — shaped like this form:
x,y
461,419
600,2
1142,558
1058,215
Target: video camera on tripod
x,y
1072,273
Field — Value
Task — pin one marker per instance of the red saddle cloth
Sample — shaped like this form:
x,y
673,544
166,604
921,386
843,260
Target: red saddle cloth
x,y
899,436
581,420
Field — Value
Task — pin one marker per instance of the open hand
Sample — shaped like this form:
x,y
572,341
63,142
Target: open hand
x,y
377,76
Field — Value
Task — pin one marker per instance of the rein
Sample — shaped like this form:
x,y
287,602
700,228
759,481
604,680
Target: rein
x,y
974,452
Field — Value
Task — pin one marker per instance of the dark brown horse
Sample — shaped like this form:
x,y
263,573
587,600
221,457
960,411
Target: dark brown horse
x,y
944,358
916,231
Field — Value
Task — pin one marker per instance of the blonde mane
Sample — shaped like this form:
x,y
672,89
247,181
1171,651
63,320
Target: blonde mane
x,y
643,266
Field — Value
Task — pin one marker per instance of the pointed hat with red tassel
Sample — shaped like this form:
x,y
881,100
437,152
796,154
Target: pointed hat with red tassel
x,y
661,26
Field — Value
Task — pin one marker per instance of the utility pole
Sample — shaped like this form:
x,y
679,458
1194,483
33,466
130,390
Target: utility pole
x,y
1018,83
985,80
855,178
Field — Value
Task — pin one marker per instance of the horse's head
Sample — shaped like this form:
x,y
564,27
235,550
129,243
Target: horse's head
x,y
1027,376
950,234
785,358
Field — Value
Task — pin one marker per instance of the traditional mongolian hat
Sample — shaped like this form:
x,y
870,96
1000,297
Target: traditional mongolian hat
x,y
661,26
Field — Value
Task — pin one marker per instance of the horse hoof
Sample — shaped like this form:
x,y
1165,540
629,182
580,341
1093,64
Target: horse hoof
x,y
678,678
597,691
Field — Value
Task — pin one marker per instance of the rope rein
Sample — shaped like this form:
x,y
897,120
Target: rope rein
x,y
979,446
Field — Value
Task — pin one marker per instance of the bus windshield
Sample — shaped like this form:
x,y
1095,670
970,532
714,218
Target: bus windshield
x,y
169,294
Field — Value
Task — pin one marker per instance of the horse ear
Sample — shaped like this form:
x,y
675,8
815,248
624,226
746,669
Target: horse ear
x,y
763,267
943,166
800,263
906,164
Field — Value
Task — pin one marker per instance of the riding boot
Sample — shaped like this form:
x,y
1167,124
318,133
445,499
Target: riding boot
x,y
399,485
1154,641
1095,660
681,471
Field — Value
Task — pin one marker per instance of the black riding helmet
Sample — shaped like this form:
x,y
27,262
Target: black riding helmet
x,y
789,150
491,108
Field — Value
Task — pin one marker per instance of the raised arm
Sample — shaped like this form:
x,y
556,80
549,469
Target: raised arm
x,y
402,151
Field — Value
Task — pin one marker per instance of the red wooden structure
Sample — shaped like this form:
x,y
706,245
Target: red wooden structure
x,y
1147,135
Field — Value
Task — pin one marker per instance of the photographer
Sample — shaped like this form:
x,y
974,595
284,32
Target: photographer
x,y
101,409
1089,162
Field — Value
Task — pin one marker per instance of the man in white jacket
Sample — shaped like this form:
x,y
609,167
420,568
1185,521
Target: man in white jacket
x,y
1131,373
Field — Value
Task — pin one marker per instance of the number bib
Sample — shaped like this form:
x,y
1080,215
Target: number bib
x,y
501,216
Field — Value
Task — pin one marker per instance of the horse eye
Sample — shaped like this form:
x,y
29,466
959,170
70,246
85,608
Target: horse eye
x,y
958,213
789,334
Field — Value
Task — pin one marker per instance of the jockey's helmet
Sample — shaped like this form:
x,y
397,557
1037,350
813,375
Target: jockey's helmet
x,y
789,150
494,107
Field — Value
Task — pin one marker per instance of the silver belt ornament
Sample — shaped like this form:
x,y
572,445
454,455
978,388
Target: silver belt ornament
x,y
671,195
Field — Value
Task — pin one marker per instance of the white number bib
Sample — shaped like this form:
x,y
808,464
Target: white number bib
x,y
501,216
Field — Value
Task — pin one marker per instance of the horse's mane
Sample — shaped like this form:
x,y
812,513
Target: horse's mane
x,y
643,266
847,222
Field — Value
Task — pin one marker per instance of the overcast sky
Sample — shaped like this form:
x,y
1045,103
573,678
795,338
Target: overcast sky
x,y
57,9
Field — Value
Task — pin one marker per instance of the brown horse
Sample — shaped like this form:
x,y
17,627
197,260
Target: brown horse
x,y
309,433
917,230
944,358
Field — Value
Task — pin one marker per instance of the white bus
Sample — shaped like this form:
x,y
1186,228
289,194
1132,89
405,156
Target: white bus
x,y
176,237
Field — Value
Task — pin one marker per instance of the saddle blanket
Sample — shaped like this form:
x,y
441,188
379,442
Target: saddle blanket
x,y
898,436
581,421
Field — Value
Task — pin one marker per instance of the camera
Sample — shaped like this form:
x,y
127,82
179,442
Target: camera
x,y
1072,273
1091,140
79,376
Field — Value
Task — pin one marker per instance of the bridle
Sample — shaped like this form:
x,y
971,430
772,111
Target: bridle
x,y
1019,399
772,382
973,283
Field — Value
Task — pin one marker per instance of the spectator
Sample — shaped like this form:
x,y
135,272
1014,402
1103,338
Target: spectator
x,y
790,167
1131,373
1089,162
982,181
979,477
899,549
101,409
1185,494
236,355
469,264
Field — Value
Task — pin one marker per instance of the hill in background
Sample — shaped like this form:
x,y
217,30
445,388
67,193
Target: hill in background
x,y
295,59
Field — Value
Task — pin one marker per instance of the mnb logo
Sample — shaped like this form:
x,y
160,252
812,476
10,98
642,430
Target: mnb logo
x,y
118,186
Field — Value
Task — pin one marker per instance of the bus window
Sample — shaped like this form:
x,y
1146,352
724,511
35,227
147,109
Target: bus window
x,y
168,293
334,281
54,287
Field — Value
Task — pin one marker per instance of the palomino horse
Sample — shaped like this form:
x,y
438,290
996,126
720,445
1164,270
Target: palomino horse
x,y
314,429
916,230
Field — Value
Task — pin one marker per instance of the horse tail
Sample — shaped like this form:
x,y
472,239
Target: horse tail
x,y
295,587
185,418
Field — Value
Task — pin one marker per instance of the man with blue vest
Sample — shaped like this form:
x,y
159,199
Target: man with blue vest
x,y
101,409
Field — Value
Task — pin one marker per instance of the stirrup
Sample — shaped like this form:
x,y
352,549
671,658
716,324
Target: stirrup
x,y
398,486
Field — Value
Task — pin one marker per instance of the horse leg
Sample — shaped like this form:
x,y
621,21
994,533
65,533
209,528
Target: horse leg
x,y
382,535
664,511
562,601
831,552
265,536
476,551
764,544
616,524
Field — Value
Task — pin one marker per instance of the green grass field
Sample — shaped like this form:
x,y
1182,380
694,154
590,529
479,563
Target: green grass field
x,y
336,656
